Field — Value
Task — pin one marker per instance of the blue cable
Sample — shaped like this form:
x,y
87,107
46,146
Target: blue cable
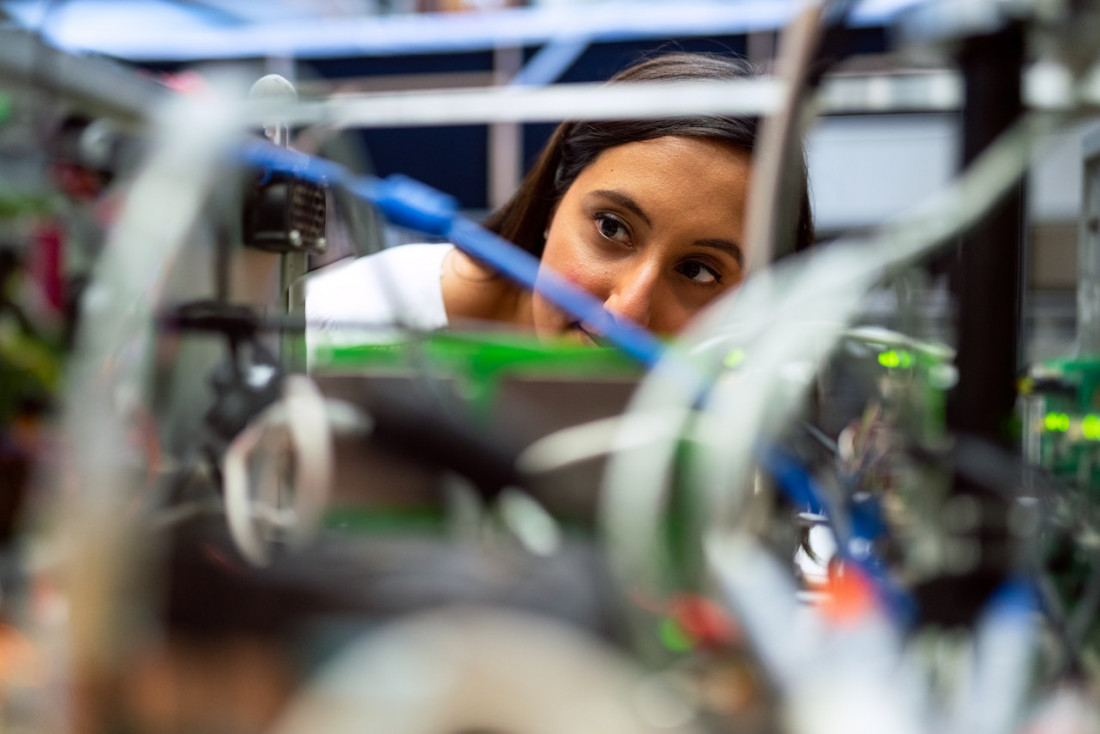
x,y
414,205
1018,595
803,490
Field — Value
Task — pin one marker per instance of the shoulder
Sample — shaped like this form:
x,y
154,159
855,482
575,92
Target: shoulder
x,y
396,264
399,284
426,258
474,291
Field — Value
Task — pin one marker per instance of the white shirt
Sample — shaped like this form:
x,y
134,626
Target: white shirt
x,y
372,299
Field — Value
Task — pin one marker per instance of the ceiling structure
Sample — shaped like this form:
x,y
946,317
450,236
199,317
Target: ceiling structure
x,y
192,30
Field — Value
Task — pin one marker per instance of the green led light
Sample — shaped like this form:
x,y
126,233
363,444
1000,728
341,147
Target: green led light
x,y
1059,422
735,357
893,358
674,637
1090,427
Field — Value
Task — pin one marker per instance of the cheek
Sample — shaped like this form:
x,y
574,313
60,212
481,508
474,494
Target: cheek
x,y
567,256
676,315
570,257
670,321
547,319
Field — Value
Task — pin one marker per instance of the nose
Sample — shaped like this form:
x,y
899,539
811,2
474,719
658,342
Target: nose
x,y
633,294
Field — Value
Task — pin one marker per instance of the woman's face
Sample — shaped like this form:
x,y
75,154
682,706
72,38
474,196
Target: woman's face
x,y
653,229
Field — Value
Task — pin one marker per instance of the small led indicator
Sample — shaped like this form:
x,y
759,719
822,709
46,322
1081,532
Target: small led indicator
x,y
1090,427
892,358
1059,422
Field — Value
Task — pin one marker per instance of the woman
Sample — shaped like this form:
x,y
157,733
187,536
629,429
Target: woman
x,y
647,215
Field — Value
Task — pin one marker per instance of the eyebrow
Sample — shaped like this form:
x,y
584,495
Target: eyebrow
x,y
626,201
727,246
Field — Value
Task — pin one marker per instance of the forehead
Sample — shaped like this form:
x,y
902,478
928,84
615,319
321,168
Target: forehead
x,y
672,171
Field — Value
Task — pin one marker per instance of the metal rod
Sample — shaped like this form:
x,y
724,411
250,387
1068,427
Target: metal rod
x,y
914,92
987,279
104,87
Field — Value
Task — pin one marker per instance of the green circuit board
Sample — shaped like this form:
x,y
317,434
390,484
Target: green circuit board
x,y
481,361
1061,416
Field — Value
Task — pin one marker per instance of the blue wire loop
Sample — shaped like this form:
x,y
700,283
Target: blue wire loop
x,y
803,490
409,203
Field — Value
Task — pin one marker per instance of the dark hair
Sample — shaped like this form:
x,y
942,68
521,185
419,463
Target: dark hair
x,y
575,145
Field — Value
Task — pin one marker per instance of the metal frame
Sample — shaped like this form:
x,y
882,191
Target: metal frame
x,y
102,86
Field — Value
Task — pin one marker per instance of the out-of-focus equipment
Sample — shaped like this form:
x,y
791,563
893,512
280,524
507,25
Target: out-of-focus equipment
x,y
282,213
788,518
1060,426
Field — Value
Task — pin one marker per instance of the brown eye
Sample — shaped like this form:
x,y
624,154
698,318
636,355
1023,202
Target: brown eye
x,y
612,227
699,273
